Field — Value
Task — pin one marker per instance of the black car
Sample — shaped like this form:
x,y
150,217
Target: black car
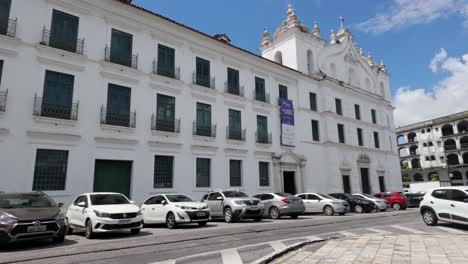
x,y
357,204
30,216
414,199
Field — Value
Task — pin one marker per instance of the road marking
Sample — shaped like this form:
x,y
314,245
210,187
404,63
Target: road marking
x,y
379,231
451,230
411,230
231,256
346,233
277,245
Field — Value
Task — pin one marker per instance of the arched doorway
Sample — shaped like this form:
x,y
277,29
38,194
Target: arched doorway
x,y
288,172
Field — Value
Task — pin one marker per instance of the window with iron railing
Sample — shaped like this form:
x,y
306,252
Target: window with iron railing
x,y
232,84
123,119
260,93
235,125
202,75
264,173
235,173
163,171
63,33
120,50
50,170
262,135
165,113
7,25
283,91
203,173
117,112
55,110
203,126
165,64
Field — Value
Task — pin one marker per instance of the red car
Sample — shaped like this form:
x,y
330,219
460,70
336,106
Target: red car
x,y
397,200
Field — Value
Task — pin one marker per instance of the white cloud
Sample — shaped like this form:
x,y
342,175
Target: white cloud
x,y
413,12
448,96
438,58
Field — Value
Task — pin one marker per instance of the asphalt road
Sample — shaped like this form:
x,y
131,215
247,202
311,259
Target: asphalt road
x,y
156,243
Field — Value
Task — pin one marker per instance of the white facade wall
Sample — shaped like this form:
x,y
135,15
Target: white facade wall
x,y
318,166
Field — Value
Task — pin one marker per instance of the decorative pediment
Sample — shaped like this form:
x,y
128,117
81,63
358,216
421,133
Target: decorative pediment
x,y
363,158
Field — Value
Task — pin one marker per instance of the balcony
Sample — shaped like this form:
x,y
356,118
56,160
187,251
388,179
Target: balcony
x,y
3,99
204,131
59,42
265,97
53,110
235,134
171,126
234,89
9,29
128,60
208,82
263,138
118,118
170,72
450,147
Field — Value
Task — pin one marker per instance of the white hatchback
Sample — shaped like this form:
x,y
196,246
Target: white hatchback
x,y
448,204
102,213
174,209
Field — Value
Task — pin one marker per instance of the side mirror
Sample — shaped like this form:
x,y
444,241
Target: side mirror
x,y
219,198
163,202
81,204
60,205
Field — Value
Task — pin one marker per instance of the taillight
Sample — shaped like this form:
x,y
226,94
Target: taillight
x,y
285,200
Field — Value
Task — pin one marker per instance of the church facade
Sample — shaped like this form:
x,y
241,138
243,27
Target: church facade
x,y
107,96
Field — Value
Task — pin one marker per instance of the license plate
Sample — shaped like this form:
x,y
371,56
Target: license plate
x,y
32,229
124,222
200,214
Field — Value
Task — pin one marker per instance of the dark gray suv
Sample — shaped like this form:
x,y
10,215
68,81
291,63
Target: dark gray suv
x,y
30,216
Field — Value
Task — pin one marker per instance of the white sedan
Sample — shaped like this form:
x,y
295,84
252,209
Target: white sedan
x,y
174,209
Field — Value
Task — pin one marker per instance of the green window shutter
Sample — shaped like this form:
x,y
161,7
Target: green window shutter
x,y
283,91
118,105
260,89
203,171
235,120
262,128
165,113
163,171
263,170
233,80
166,61
341,133
203,119
64,31
57,95
315,130
374,116
235,173
5,6
313,101
50,170
203,72
376,140
338,106
357,111
121,48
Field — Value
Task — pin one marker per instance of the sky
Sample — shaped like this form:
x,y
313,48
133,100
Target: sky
x,y
424,43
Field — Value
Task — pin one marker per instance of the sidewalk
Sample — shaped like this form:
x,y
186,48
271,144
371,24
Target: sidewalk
x,y
383,249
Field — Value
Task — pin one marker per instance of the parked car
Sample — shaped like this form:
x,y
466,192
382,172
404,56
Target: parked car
x,y
414,199
448,204
103,213
232,205
173,210
281,204
323,203
381,204
397,200
30,216
356,203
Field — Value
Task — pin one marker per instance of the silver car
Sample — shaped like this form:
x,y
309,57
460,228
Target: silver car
x,y
323,203
232,205
281,204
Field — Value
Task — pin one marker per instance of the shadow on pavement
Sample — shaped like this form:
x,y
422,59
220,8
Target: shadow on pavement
x,y
35,245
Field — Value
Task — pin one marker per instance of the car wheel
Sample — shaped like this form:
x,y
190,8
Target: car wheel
x,y
170,221
135,231
294,216
429,218
396,206
59,239
68,227
358,209
274,213
228,215
202,223
328,210
89,233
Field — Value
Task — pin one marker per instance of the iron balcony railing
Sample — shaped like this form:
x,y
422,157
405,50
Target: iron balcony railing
x,y
450,147
234,89
59,42
3,99
204,131
263,138
235,134
128,60
171,72
172,126
202,80
123,119
9,28
265,97
53,110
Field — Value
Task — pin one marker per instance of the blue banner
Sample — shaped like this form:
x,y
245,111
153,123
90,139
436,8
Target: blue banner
x,y
287,122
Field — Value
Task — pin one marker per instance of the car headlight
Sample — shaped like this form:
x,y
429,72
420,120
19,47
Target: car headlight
x,y
60,216
7,219
239,202
101,214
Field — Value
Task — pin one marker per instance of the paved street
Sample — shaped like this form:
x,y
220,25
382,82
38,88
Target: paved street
x,y
218,242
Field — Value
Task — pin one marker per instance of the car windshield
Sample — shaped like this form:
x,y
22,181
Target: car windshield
x,y
8,201
369,196
104,199
178,198
234,194
284,194
323,195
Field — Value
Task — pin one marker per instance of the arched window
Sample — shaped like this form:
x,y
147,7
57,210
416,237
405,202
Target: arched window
x,y
462,127
403,152
279,57
447,130
452,159
450,144
414,150
415,164
418,177
430,144
412,137
464,142
401,139
465,158
456,175
310,61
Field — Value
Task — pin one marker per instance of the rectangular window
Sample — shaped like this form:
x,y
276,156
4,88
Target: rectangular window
x,y
233,81
260,94
313,101
374,116
50,171
118,105
357,110
4,16
163,172
165,113
382,184
376,140
64,31
341,133
339,111
262,129
57,95
315,130
283,91
346,184
359,137
166,61
264,173
203,173
121,48
203,124
235,173
235,126
203,72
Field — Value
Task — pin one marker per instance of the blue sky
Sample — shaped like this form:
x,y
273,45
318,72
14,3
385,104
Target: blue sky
x,y
407,34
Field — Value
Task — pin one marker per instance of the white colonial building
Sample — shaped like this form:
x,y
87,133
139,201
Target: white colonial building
x,y
107,96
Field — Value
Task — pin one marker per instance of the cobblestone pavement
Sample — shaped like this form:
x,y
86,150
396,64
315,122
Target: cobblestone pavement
x,y
380,249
